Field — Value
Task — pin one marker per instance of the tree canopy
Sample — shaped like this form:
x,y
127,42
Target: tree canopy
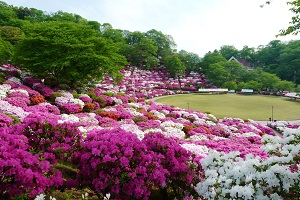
x,y
69,52
84,43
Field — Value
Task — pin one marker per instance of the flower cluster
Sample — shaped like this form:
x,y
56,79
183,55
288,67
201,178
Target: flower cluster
x,y
133,148
5,120
116,162
46,135
20,171
276,177
37,99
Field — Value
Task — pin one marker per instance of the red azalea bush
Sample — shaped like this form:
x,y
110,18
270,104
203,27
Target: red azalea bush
x,y
111,115
36,99
21,172
89,106
117,162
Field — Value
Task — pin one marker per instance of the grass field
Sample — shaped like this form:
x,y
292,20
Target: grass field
x,y
256,107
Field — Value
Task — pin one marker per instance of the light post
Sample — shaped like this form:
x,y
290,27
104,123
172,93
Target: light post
x,y
272,113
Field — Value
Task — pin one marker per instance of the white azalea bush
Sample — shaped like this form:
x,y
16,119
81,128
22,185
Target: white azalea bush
x,y
227,176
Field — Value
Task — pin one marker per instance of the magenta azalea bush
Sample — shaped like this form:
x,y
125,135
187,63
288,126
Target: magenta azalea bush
x,y
183,171
49,138
21,172
116,162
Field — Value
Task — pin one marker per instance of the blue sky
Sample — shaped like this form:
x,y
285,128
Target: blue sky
x,y
196,26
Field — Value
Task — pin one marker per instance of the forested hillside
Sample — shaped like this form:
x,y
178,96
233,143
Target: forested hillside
x,y
75,51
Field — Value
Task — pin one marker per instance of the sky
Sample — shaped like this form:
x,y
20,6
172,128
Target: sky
x,y
197,26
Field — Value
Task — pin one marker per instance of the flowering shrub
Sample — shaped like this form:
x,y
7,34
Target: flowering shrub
x,y
229,176
101,101
15,111
183,173
88,107
36,99
55,141
20,171
70,108
5,120
147,149
18,101
85,99
111,115
46,91
116,162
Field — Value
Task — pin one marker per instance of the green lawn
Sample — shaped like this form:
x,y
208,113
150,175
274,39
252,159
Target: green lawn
x,y
256,107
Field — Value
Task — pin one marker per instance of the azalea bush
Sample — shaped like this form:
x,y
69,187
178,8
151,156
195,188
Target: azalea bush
x,y
123,145
36,99
116,162
22,173
276,177
52,140
183,172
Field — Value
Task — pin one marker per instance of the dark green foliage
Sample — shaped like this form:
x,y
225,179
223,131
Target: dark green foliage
x,y
70,52
102,102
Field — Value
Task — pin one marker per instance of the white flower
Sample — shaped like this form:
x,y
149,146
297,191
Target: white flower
x,y
134,129
173,132
158,114
40,197
15,80
77,101
68,118
198,137
198,150
18,90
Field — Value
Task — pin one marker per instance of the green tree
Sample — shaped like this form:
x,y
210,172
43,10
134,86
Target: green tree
x,y
241,85
165,43
289,60
11,34
298,88
174,65
249,54
285,85
231,85
72,53
32,14
191,61
217,73
6,51
255,85
210,58
234,69
268,56
295,23
227,51
140,49
268,80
